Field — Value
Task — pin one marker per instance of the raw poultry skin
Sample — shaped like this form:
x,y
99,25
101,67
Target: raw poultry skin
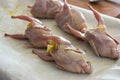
x,y
66,56
72,17
46,8
101,41
62,52
34,33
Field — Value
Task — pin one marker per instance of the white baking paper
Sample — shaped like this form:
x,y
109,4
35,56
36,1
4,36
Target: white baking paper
x,y
17,62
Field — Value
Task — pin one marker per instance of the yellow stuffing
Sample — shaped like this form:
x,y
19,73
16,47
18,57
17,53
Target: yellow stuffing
x,y
52,46
29,25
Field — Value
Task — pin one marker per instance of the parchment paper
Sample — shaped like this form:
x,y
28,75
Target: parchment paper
x,y
17,62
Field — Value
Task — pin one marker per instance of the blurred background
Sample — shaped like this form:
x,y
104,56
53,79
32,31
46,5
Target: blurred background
x,y
108,7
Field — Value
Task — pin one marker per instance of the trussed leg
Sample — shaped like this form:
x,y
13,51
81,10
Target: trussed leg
x,y
116,41
86,68
76,33
43,55
60,67
97,16
16,36
52,11
94,47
